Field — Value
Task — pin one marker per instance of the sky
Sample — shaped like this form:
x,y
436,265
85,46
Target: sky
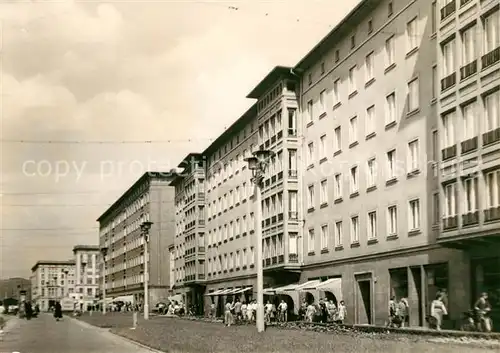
x,y
85,84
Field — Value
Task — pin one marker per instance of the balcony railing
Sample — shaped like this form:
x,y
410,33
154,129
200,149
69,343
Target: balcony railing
x,y
293,258
450,222
470,218
491,58
468,70
448,10
469,145
449,152
492,214
491,137
448,82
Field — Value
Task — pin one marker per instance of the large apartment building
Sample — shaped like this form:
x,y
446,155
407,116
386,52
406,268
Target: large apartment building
x,y
352,202
52,281
468,65
87,266
150,198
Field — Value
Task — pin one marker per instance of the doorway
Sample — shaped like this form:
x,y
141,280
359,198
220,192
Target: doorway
x,y
364,305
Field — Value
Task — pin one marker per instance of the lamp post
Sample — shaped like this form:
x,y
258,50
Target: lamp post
x,y
257,164
104,252
56,287
145,227
84,282
66,282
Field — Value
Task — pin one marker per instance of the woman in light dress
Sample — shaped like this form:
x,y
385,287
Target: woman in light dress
x,y
438,310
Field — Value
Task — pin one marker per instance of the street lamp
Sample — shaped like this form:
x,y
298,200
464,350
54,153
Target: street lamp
x,y
145,227
257,164
104,252
84,282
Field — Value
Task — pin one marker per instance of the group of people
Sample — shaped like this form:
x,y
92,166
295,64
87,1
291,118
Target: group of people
x,y
398,312
323,311
236,311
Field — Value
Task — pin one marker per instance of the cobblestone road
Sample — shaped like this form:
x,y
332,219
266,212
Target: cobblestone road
x,y
45,335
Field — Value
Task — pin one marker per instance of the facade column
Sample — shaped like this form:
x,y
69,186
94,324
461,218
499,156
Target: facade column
x,y
459,286
413,296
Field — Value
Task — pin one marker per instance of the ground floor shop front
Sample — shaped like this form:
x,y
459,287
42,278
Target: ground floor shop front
x,y
366,285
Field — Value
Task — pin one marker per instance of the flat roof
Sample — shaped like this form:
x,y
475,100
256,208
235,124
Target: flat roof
x,y
250,114
346,24
86,247
52,263
144,178
274,75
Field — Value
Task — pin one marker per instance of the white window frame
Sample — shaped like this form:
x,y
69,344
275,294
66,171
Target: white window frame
x,y
311,239
492,183
353,130
323,191
309,111
354,179
414,220
372,225
372,172
471,199
390,52
412,35
413,95
354,229
450,200
310,196
336,91
338,185
469,112
391,158
310,153
392,220
448,54
324,236
370,120
323,146
322,102
390,108
352,80
469,46
492,111
491,36
448,136
413,155
369,66
337,132
339,233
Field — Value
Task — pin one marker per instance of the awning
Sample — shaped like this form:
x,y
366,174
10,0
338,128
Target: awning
x,y
241,290
217,292
124,298
333,285
310,285
282,289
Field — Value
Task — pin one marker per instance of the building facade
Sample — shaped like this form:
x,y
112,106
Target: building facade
x,y
12,288
52,281
149,199
468,65
87,258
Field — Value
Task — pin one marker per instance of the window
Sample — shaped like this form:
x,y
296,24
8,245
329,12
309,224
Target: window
x,y
471,195
337,55
435,82
336,94
493,189
355,229
468,113
353,41
491,32
310,196
448,58
370,26
292,162
322,101
352,80
436,216
309,79
412,34
448,129
372,225
337,139
392,220
413,156
322,68
390,107
370,120
323,192
310,111
324,236
372,172
292,122
469,45
390,9
450,200
292,204
310,243
414,219
434,14
338,233
492,111
353,130
338,186
292,245
322,147
369,61
310,153
389,52
354,180
413,95
391,165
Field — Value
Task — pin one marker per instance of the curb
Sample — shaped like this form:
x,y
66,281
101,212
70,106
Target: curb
x,y
107,330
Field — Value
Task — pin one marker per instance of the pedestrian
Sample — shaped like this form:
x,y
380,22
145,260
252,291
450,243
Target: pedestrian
x,y
341,313
393,313
244,308
237,310
332,309
228,316
404,312
283,311
29,310
438,310
58,311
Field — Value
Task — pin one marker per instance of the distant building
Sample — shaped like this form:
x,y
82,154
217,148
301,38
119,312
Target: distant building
x,y
12,288
51,281
87,266
150,198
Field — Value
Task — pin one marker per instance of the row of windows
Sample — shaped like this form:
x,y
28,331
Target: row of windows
x,y
134,207
232,260
372,227
230,199
231,229
129,280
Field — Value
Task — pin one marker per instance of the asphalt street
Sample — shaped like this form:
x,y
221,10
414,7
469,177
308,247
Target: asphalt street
x,y
45,335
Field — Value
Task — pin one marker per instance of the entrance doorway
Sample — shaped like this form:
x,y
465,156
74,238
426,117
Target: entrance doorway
x,y
364,307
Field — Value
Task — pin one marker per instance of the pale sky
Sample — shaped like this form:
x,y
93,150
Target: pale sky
x,y
124,71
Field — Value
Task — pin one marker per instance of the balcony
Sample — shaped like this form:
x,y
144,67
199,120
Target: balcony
x,y
492,214
450,222
491,137
491,58
201,196
448,82
448,10
468,70
469,145
449,152
293,258
470,219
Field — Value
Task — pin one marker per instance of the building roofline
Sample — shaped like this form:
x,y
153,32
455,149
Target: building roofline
x,y
185,161
241,121
86,247
364,6
145,177
268,80
52,262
